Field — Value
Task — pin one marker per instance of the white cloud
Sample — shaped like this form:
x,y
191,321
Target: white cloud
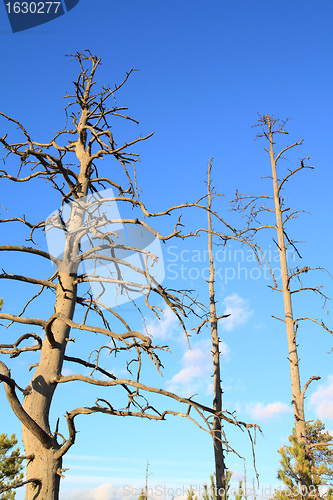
x,y
164,327
322,399
103,492
128,492
259,411
197,367
239,311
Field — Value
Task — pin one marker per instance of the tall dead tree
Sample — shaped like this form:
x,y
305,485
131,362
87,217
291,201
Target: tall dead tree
x,y
219,438
256,206
223,234
85,230
297,398
220,468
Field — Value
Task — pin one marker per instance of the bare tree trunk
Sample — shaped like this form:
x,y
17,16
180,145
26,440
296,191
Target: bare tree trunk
x,y
220,468
146,488
44,466
46,463
245,484
297,397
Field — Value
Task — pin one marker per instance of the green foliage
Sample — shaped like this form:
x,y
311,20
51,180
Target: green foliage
x,y
322,455
212,490
10,465
142,496
239,494
211,495
300,473
190,494
227,483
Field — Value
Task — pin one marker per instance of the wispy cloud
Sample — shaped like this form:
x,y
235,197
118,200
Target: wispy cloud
x,y
158,492
259,411
322,399
239,311
196,368
103,492
129,492
163,328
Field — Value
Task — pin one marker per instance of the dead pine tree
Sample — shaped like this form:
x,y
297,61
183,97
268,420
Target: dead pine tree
x,y
211,318
144,493
297,398
291,278
90,234
220,468
223,234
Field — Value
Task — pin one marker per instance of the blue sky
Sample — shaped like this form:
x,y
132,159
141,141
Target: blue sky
x,y
205,70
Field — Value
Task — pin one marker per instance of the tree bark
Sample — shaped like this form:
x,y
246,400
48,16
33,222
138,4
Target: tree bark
x,y
297,397
46,465
37,403
220,469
